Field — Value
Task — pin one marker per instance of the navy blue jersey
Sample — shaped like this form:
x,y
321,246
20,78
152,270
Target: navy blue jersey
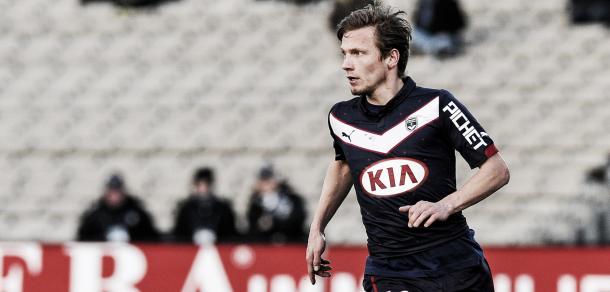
x,y
402,153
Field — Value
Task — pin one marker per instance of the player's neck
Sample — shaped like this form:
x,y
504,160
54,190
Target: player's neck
x,y
385,91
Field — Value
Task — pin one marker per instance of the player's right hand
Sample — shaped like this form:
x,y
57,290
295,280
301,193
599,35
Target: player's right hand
x,y
316,265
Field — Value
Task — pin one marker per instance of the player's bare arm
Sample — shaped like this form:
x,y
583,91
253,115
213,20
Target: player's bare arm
x,y
337,184
490,177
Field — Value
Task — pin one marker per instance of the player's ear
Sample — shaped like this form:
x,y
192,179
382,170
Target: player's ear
x,y
392,59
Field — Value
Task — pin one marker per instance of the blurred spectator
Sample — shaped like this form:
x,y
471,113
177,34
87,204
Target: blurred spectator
x,y
298,2
275,213
587,11
117,216
597,184
597,175
131,3
438,27
202,217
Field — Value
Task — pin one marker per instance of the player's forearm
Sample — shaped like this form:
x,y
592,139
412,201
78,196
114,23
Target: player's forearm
x,y
337,184
492,175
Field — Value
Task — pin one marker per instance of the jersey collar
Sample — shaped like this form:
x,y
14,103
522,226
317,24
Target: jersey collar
x,y
400,96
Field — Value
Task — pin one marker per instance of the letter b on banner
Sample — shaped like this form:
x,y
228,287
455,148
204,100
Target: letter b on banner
x,y
86,267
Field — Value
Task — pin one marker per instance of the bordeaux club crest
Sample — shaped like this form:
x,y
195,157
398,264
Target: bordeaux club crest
x,y
411,123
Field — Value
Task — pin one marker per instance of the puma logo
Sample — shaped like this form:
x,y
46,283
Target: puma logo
x,y
347,136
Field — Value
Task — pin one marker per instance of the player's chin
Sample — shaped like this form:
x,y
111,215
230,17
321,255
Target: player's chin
x,y
361,89
357,91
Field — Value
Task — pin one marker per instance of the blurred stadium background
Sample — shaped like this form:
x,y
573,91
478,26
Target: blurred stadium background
x,y
154,93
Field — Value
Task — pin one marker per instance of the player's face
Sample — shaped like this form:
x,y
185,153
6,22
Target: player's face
x,y
362,62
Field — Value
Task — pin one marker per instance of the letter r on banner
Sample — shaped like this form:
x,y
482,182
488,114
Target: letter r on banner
x,y
86,267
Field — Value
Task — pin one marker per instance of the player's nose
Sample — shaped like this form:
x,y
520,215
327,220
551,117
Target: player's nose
x,y
347,64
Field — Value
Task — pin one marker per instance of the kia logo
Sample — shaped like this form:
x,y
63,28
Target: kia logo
x,y
393,176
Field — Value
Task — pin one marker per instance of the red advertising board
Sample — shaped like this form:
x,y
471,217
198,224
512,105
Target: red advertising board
x,y
78,267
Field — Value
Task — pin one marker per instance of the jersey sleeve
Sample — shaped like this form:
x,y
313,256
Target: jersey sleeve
x,y
464,132
339,154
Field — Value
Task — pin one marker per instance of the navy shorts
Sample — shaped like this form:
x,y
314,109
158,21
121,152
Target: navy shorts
x,y
472,279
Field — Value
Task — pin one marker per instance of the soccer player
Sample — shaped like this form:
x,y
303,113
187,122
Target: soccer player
x,y
395,143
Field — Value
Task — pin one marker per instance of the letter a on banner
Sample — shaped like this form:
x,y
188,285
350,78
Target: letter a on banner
x,y
207,273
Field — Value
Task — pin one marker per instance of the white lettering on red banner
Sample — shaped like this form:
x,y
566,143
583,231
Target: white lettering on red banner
x,y
86,267
12,279
207,273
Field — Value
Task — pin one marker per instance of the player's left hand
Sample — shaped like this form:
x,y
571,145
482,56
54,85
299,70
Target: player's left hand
x,y
427,212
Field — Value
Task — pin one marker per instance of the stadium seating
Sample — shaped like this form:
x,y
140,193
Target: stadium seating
x,y
86,90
